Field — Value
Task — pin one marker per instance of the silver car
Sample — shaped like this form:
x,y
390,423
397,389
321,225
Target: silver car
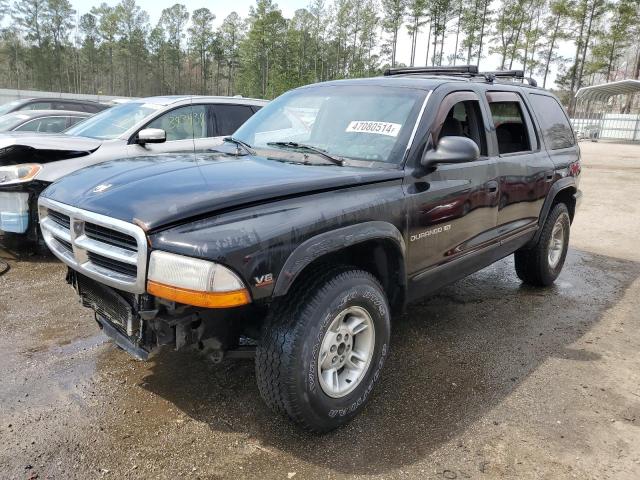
x,y
30,162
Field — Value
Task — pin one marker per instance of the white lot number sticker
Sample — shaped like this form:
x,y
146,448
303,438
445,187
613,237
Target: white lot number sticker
x,y
378,128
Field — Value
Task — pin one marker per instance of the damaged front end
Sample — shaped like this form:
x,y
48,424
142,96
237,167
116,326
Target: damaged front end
x,y
22,159
141,324
109,261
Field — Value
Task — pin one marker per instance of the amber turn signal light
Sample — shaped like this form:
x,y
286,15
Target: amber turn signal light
x,y
234,298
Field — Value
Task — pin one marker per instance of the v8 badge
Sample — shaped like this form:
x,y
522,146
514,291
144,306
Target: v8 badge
x,y
263,280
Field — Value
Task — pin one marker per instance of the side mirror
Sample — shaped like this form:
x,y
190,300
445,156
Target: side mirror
x,y
451,150
151,135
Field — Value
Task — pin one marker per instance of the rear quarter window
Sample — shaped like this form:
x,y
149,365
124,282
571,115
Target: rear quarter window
x,y
553,121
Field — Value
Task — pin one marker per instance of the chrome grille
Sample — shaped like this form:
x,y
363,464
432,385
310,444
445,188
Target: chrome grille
x,y
105,249
109,236
60,219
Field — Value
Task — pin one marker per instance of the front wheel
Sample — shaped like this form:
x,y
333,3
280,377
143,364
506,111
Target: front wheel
x,y
323,347
541,263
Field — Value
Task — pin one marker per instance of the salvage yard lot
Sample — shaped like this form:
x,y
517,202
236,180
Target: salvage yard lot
x,y
486,379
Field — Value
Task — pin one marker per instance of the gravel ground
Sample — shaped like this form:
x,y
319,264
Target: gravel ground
x,y
487,379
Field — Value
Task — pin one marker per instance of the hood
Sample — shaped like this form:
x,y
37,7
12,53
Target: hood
x,y
157,191
29,147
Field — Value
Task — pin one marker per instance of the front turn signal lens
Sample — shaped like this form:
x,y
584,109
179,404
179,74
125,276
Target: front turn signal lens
x,y
199,299
194,281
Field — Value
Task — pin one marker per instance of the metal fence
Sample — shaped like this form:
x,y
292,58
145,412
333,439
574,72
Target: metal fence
x,y
614,126
7,95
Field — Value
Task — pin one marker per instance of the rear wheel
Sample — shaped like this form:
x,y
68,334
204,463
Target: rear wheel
x,y
541,263
322,348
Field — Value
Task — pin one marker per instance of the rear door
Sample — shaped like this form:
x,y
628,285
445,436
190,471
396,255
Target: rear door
x,y
524,168
453,209
225,119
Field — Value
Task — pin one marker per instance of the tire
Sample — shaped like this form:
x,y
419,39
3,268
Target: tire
x,y
541,263
291,378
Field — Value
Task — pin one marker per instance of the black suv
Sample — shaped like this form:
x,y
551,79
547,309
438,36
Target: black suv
x,y
324,214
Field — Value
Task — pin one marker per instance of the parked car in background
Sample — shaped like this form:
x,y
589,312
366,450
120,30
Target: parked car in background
x,y
73,105
30,162
42,121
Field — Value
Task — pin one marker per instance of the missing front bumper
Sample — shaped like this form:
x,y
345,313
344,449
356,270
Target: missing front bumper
x,y
14,212
121,340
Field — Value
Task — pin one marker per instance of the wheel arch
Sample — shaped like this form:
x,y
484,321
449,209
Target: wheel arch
x,y
564,191
377,247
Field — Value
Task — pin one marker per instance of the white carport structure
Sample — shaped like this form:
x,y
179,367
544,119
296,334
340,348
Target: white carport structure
x,y
595,115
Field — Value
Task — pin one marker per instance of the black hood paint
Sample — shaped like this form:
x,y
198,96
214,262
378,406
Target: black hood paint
x,y
29,147
158,191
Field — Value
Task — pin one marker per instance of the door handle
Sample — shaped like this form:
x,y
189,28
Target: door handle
x,y
549,177
492,187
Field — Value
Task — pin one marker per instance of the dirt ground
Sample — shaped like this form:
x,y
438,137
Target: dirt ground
x,y
487,379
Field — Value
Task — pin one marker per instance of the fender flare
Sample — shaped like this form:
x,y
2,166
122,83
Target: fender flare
x,y
333,241
567,183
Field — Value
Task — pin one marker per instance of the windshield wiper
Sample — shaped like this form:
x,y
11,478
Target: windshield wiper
x,y
311,148
245,146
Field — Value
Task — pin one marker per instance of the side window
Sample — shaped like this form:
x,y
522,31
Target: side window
x,y
464,119
72,106
73,120
230,117
555,126
511,128
183,123
46,125
37,106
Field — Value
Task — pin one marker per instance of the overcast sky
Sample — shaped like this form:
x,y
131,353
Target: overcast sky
x,y
222,8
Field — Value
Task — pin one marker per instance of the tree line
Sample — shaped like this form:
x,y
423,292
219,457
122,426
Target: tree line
x,y
116,50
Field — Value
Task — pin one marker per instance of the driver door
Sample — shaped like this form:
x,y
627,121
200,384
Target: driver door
x,y
453,209
183,125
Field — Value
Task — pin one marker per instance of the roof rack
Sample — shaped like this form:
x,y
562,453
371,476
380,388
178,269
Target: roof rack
x,y
461,70
454,70
518,74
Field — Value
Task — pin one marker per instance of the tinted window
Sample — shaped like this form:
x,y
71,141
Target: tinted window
x,y
46,125
74,120
76,107
183,123
230,117
511,129
464,120
555,126
37,106
90,108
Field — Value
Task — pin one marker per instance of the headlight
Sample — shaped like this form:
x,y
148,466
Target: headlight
x,y
25,172
194,282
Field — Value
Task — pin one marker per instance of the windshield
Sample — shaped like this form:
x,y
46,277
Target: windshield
x,y
359,122
10,120
114,121
7,107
